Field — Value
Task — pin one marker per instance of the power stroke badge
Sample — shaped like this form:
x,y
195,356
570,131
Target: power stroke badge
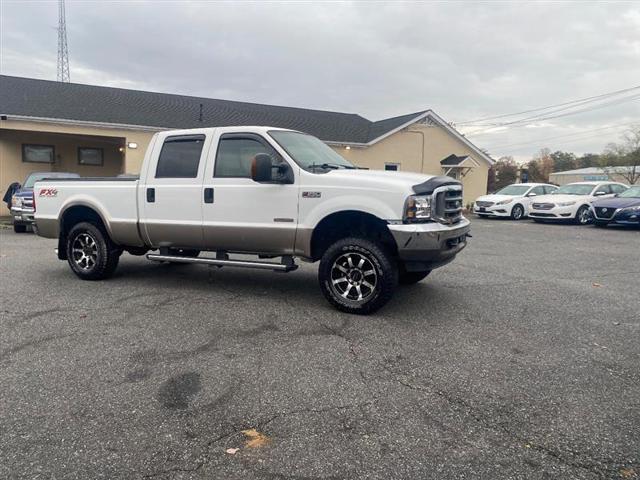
x,y
311,194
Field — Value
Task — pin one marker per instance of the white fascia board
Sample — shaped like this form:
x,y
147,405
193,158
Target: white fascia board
x,y
83,123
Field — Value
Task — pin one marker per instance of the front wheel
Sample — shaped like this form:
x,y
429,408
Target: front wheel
x,y
357,275
517,212
19,228
91,253
583,217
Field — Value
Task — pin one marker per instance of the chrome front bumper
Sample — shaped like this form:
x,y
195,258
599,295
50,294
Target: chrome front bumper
x,y
22,215
430,245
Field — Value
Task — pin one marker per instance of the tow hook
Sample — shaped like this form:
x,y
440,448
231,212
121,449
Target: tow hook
x,y
469,235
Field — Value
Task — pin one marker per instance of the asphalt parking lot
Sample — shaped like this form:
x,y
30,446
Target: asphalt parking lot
x,y
519,360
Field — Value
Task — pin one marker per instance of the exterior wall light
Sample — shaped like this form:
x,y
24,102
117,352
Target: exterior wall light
x,y
132,145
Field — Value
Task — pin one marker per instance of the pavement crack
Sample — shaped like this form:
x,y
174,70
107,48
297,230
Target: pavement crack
x,y
32,343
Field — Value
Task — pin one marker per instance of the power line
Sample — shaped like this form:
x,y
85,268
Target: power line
x,y
581,133
593,98
551,115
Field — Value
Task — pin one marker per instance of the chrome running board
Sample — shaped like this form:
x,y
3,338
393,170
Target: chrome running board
x,y
287,264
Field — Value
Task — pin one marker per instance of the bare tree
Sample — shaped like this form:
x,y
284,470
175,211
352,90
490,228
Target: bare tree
x,y
623,159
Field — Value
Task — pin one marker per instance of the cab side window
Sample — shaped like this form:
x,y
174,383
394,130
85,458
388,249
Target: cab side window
x,y
550,189
617,188
180,157
538,190
603,188
235,154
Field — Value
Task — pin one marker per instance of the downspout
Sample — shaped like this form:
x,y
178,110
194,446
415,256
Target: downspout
x,y
421,133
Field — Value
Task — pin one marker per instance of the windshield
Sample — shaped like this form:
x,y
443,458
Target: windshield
x,y
36,177
633,192
574,189
309,152
513,190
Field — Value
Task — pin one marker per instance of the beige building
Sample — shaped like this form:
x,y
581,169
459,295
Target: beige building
x,y
100,131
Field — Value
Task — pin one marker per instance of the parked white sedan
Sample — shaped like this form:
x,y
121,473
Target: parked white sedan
x,y
572,201
512,201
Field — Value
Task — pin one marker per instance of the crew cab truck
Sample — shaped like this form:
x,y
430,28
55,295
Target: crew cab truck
x,y
204,195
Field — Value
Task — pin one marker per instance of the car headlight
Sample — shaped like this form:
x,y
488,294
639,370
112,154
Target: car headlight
x,y
16,201
504,202
417,208
566,204
635,209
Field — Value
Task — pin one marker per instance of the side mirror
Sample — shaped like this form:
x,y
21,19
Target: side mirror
x,y
600,193
532,195
261,168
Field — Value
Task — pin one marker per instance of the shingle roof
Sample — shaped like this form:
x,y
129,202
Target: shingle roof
x,y
453,160
71,101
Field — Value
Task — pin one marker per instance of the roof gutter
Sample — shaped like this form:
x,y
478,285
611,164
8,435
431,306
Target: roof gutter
x,y
121,126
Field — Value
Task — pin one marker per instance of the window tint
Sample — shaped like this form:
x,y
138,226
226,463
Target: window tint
x,y
235,155
538,190
550,189
180,157
603,188
617,188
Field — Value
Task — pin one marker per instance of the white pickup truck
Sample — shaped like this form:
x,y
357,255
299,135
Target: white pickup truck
x,y
206,193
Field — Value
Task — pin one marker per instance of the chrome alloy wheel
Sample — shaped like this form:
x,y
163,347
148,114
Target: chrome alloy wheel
x,y
584,216
353,277
84,251
517,212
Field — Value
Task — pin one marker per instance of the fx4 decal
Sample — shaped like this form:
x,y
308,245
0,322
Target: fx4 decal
x,y
48,192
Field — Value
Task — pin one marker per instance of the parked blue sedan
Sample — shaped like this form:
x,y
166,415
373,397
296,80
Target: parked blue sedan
x,y
623,209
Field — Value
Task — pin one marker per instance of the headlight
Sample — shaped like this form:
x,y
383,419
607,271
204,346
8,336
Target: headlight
x,y
504,202
566,204
417,208
632,209
16,201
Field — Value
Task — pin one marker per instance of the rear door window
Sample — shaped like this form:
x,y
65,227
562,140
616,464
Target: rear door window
x,y
180,157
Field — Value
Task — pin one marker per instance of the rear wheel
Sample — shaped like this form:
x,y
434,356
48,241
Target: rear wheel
x,y
91,253
583,217
19,228
517,212
357,275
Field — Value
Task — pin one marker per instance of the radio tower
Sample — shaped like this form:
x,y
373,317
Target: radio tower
x,y
63,51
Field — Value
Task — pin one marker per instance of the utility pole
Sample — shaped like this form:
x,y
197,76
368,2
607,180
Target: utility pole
x,y
63,50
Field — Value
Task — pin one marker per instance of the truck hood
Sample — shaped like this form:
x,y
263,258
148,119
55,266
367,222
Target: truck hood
x,y
399,181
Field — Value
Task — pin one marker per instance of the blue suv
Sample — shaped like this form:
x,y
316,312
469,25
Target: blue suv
x,y
623,209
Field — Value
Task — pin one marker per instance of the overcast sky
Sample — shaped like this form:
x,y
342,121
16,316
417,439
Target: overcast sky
x,y
464,60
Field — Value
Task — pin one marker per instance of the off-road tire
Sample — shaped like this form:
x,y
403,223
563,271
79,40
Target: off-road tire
x,y
19,228
105,254
517,208
376,259
410,278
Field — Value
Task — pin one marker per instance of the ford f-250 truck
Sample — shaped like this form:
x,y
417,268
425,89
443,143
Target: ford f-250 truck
x,y
268,192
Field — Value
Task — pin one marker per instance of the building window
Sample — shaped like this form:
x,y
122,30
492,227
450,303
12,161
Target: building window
x,y
38,153
90,156
392,167
180,157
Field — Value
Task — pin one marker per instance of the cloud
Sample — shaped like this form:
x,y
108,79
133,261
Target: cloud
x,y
465,60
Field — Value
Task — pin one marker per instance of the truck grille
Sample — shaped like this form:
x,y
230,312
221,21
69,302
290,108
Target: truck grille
x,y
543,206
484,204
447,204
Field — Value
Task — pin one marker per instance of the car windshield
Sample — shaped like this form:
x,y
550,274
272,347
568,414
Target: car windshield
x,y
36,177
633,192
513,190
574,189
308,151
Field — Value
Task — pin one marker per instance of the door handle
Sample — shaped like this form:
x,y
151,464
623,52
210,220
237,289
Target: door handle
x,y
208,195
151,195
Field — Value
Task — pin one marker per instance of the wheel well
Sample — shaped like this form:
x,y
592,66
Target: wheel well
x,y
72,216
350,223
